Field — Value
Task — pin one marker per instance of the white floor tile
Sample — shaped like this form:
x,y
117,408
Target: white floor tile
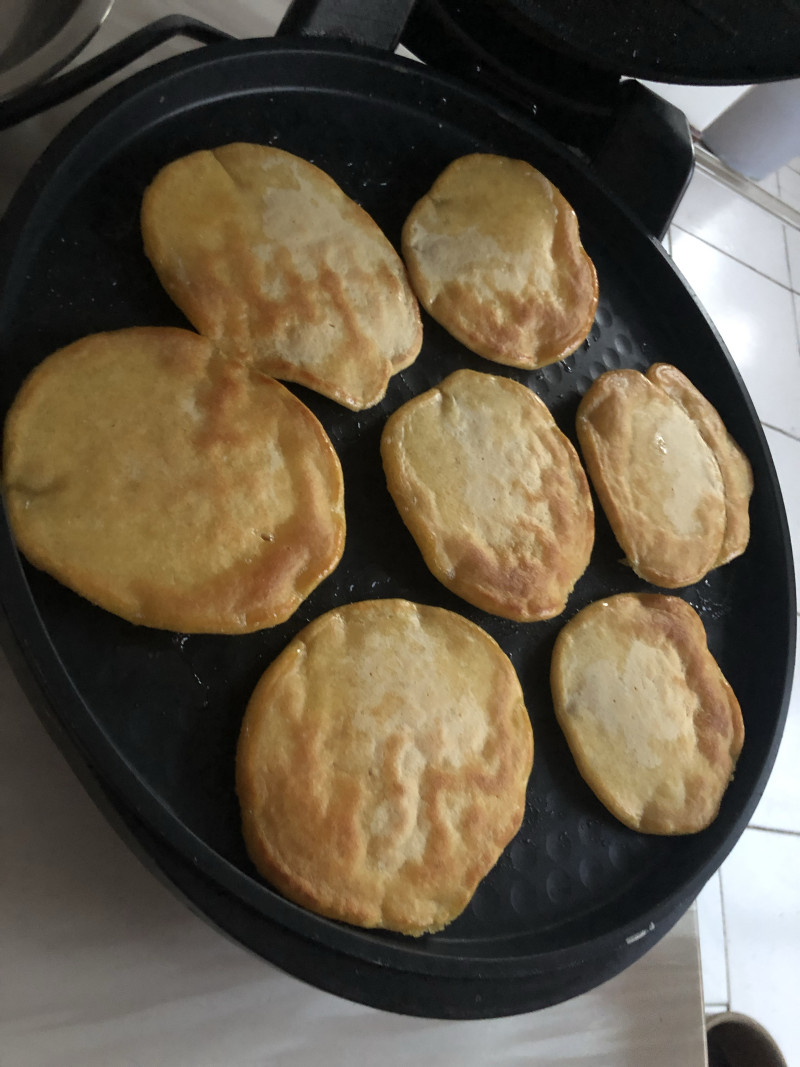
x,y
761,900
755,317
727,221
789,185
711,927
779,807
792,237
770,184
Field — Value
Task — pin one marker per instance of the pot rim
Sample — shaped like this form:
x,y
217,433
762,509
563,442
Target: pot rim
x,y
64,45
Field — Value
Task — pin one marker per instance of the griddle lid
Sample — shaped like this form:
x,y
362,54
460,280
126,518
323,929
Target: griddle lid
x,y
702,42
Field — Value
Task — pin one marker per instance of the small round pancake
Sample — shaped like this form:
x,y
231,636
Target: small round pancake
x,y
265,254
494,254
169,487
654,727
734,466
383,763
658,481
492,492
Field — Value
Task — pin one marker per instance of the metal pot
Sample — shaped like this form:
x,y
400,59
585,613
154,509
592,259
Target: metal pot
x,y
39,37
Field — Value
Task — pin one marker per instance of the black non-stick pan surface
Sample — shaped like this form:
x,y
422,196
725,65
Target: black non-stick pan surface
x,y
151,718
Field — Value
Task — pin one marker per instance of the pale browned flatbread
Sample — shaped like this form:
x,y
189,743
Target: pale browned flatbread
x,y
734,466
492,492
170,487
653,725
264,253
382,765
658,481
494,254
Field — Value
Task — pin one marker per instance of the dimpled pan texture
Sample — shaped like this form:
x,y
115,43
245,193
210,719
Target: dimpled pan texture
x,y
494,254
382,765
492,492
654,727
169,487
658,481
265,254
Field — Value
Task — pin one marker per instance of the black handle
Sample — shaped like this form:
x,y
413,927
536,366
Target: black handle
x,y
47,95
647,156
364,22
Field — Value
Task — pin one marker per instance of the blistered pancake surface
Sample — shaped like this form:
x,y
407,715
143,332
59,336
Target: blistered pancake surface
x,y
170,487
658,481
653,725
264,253
494,254
734,466
382,765
492,492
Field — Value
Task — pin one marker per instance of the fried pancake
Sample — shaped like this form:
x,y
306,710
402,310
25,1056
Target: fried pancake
x,y
653,725
494,254
659,483
734,466
266,255
492,492
169,487
382,765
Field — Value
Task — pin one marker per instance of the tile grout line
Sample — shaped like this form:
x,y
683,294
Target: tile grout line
x,y
788,260
741,262
725,941
710,164
772,830
778,429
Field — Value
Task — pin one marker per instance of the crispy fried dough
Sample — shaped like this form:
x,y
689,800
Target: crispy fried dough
x,y
264,254
492,492
653,725
170,487
658,481
734,466
494,254
382,765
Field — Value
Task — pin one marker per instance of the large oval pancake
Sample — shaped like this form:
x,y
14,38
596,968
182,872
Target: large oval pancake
x,y
170,487
382,764
262,251
493,493
494,254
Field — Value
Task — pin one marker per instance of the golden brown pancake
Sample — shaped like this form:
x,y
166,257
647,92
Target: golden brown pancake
x,y
653,725
382,765
494,254
265,254
658,481
492,492
170,487
737,474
